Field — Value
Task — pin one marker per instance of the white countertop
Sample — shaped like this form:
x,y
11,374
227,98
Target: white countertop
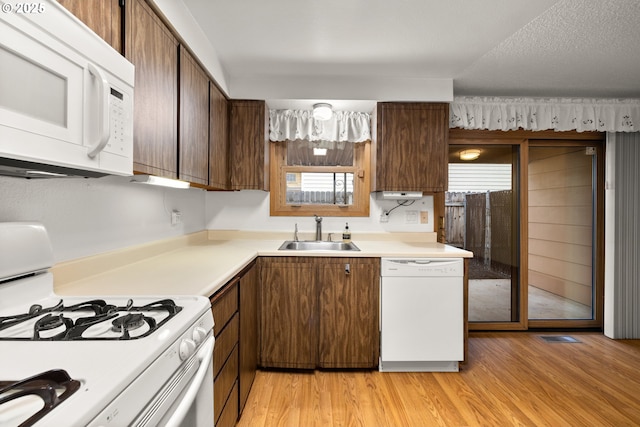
x,y
202,264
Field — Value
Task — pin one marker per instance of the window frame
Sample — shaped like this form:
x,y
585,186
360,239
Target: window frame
x,y
361,170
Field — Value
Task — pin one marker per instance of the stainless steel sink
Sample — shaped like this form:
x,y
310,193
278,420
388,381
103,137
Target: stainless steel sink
x,y
316,245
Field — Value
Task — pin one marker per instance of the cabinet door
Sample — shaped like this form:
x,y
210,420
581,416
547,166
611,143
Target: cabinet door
x,y
151,47
411,147
289,326
218,139
224,307
348,307
249,145
103,17
249,338
194,121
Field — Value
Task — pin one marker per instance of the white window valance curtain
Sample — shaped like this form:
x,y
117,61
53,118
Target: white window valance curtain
x,y
560,114
343,126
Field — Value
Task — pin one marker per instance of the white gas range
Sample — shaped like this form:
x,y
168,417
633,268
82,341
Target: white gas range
x,y
87,361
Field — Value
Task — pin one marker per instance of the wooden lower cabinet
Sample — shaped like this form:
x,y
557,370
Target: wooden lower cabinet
x,y
224,305
235,354
288,332
319,312
348,312
229,414
249,332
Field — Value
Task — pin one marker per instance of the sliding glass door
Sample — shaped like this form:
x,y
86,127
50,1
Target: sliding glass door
x,y
482,216
563,215
531,212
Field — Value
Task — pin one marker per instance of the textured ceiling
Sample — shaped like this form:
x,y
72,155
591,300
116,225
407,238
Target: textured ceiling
x,y
358,47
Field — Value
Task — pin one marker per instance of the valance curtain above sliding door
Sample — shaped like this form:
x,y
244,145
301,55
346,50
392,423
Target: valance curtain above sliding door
x,y
536,114
343,126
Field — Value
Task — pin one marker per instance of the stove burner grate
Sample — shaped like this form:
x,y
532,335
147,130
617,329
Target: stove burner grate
x,y
45,386
52,318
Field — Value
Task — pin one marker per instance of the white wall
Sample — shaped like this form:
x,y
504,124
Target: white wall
x,y
249,210
89,216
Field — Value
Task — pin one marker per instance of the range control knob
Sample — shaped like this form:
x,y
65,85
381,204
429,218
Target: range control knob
x,y
187,348
198,335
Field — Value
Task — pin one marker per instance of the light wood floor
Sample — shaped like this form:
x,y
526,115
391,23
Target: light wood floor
x,y
512,379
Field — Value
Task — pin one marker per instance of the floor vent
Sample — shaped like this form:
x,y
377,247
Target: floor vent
x,y
559,338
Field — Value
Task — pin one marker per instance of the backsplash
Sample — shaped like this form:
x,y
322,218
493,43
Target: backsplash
x,y
89,216
249,210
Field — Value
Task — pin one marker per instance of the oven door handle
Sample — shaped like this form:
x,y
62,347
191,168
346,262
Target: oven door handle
x,y
205,354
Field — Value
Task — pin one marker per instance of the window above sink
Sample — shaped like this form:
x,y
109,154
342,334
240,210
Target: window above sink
x,y
333,181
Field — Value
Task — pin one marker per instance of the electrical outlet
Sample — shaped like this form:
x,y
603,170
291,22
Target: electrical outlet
x,y
384,217
176,217
411,217
424,217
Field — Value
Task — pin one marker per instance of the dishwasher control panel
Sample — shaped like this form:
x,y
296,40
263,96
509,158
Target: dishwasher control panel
x,y
421,267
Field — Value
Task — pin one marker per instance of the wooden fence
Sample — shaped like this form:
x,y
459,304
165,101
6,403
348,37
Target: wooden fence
x,y
319,197
482,223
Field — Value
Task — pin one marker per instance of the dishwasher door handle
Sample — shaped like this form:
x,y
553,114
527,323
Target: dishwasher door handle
x,y
421,267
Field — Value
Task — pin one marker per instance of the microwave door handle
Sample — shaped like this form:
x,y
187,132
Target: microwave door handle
x,y
104,130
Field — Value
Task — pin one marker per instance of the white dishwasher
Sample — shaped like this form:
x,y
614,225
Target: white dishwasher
x,y
421,314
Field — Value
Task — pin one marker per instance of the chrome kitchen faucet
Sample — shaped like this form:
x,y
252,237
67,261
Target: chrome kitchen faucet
x,y
318,228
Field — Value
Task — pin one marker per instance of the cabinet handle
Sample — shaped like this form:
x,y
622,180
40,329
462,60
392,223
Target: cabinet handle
x,y
347,268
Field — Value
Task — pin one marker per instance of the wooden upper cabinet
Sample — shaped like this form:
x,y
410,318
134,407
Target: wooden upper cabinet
x,y
194,121
104,17
218,139
249,145
411,147
153,50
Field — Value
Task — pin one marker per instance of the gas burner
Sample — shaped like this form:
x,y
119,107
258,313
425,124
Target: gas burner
x,y
129,322
51,322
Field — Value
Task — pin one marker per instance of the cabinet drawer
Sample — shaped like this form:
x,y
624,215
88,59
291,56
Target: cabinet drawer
x,y
224,305
225,342
229,414
224,383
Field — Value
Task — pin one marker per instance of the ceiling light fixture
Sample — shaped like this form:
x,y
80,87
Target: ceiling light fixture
x,y
157,180
322,111
469,154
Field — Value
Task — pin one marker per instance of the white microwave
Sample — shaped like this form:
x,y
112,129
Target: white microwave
x,y
66,96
